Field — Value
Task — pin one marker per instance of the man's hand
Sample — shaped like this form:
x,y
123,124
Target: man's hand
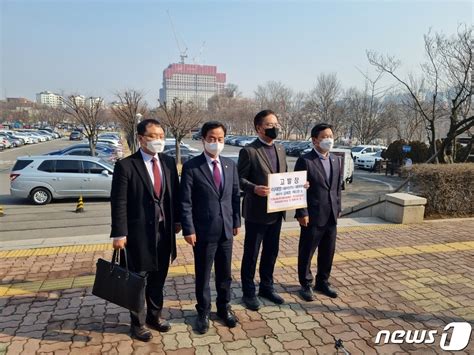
x,y
190,239
306,185
235,231
119,243
261,190
303,221
177,228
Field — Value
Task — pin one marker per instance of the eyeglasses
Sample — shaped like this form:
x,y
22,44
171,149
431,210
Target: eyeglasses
x,y
272,125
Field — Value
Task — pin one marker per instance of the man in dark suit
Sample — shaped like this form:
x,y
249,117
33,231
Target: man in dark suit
x,y
256,161
145,218
210,216
318,221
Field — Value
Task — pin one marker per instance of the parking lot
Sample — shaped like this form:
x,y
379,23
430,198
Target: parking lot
x,y
23,220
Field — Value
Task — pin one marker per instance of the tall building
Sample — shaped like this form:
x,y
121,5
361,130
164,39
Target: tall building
x,y
191,82
49,98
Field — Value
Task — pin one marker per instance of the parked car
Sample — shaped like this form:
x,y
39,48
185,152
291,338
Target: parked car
x,y
186,153
75,136
6,142
28,138
100,147
367,161
46,177
244,141
111,158
360,150
197,135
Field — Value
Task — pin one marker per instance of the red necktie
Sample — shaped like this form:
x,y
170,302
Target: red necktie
x,y
217,175
157,178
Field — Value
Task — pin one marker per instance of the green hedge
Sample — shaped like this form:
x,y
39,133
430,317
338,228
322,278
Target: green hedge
x,y
448,188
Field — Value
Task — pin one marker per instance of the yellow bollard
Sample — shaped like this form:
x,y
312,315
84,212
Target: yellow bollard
x,y
1,212
80,205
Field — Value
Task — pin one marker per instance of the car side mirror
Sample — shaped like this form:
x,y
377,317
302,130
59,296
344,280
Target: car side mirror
x,y
105,172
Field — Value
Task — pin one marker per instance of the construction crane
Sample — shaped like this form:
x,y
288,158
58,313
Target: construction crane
x,y
199,56
182,53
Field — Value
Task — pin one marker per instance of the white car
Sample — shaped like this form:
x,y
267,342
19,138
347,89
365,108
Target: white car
x,y
29,139
361,150
172,142
368,161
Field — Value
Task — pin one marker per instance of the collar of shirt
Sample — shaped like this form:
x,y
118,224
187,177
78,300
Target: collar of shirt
x,y
147,157
321,156
265,143
210,160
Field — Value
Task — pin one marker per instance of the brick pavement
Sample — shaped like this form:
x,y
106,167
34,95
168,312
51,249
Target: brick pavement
x,y
388,277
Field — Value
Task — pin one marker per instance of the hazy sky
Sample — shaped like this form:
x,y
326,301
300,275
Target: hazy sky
x,y
101,47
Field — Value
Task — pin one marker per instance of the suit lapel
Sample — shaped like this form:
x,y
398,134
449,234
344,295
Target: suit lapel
x,y
141,168
226,174
207,173
166,173
281,158
334,165
261,152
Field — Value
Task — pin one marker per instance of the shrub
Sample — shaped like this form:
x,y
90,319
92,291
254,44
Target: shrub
x,y
448,188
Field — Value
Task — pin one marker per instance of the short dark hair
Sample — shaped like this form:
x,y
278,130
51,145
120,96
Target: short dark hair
x,y
206,127
141,126
320,127
258,119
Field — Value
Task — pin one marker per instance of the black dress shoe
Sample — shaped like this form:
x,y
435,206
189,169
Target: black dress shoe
x,y
202,323
306,293
228,317
251,303
160,325
272,296
141,333
324,288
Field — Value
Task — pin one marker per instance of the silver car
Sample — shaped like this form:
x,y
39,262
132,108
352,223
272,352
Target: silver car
x,y
46,177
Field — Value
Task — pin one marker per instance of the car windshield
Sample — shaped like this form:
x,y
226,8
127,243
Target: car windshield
x,y
106,164
357,149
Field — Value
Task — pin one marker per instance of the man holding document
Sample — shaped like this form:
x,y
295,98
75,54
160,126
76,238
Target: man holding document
x,y
318,221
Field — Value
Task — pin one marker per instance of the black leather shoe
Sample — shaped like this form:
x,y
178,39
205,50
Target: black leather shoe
x,y
324,288
228,317
202,323
272,296
141,333
251,303
160,325
306,293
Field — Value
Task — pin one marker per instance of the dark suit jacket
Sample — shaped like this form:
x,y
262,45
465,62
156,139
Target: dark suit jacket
x,y
324,198
133,209
204,210
254,166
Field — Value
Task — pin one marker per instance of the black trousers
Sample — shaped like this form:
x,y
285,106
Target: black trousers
x,y
205,255
312,237
256,234
155,281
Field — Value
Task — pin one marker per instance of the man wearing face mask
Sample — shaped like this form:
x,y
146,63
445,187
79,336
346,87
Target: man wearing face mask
x,y
256,161
145,219
318,221
210,215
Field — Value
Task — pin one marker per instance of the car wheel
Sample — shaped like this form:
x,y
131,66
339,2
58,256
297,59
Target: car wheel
x,y
41,196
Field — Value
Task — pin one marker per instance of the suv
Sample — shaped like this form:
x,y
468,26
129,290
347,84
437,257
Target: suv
x,y
75,136
42,178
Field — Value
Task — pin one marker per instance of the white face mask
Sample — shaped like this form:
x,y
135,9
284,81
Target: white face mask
x,y
156,145
326,144
214,148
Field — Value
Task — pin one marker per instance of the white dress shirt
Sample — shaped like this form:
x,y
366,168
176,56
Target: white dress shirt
x,y
211,166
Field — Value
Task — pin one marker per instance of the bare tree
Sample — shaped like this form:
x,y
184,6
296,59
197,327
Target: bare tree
x,y
180,118
277,97
88,113
129,108
325,101
368,113
302,117
447,74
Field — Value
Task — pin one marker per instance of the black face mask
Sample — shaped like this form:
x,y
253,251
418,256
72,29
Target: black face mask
x,y
271,132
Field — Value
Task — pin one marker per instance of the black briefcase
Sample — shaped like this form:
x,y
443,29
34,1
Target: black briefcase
x,y
118,285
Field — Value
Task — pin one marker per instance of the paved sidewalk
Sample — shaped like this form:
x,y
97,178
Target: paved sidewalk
x,y
389,277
